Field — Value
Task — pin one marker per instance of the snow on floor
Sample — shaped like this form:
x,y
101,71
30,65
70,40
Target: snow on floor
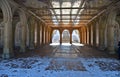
x,y
37,67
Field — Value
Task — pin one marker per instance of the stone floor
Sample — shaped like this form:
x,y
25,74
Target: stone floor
x,y
65,51
61,61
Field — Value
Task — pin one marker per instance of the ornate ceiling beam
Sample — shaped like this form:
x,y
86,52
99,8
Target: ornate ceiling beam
x,y
50,3
101,12
67,14
68,19
27,10
91,8
82,3
60,11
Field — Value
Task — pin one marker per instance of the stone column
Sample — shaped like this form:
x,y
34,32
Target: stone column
x,y
94,35
23,23
13,32
81,36
101,38
70,38
87,36
50,36
38,33
8,48
90,35
46,34
102,24
97,34
23,39
42,34
111,40
7,16
31,34
110,34
60,37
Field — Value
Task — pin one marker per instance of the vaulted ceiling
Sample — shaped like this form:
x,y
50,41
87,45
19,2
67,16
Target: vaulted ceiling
x,y
66,12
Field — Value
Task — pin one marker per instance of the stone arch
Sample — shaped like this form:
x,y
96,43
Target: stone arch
x,y
7,22
66,36
75,36
15,21
22,30
55,36
54,30
23,21
112,31
76,29
17,34
6,9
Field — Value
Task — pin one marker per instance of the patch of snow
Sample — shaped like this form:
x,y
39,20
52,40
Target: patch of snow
x,y
13,68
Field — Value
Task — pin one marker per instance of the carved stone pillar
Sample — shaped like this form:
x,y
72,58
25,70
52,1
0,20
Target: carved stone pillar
x,y
50,36
81,33
111,40
31,34
101,38
87,35
23,39
7,16
94,35
80,36
23,24
90,35
111,23
43,34
70,38
38,33
8,48
46,34
60,37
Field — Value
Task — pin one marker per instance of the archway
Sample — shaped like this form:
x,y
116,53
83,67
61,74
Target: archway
x,y
75,36
65,36
16,29
7,23
20,30
18,34
56,36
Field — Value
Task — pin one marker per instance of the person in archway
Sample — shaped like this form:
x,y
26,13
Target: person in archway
x,y
119,50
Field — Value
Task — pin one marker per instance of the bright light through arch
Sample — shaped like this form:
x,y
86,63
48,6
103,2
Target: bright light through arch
x,y
56,36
